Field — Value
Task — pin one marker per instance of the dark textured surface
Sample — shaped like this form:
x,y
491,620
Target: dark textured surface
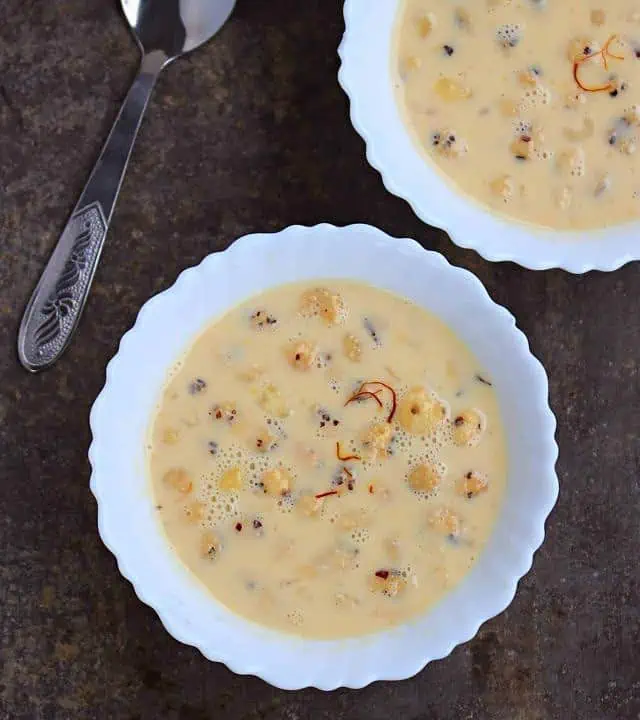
x,y
251,133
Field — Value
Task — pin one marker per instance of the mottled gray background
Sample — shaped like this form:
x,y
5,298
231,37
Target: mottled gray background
x,y
248,134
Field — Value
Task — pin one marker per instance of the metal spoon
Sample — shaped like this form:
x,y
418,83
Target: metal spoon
x,y
165,29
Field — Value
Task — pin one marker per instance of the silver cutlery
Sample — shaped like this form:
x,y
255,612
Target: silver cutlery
x,y
165,30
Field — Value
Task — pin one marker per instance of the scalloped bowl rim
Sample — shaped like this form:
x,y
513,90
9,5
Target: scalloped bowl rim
x,y
168,323
366,77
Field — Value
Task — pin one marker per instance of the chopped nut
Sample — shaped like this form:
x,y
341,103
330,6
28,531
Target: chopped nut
x,y
194,511
325,304
528,78
209,544
301,354
503,187
352,348
632,115
170,436
446,522
627,145
420,412
451,90
376,439
424,478
468,427
277,481
426,24
179,479
411,63
271,401
522,148
472,484
230,480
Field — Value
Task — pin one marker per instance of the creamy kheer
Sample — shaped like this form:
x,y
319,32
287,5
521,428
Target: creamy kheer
x,y
328,461
529,106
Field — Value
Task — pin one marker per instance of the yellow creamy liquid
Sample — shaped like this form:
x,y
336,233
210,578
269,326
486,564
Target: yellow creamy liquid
x,y
488,91
248,433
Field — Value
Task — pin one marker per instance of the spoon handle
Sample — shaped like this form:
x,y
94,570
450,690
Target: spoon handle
x,y
53,312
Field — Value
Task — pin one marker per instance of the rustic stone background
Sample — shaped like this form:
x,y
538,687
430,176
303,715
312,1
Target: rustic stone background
x,y
251,133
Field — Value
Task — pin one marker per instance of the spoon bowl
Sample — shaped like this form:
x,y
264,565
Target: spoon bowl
x,y
175,27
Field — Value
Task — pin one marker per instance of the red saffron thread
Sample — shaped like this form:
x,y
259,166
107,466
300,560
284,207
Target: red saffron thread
x,y
371,489
363,393
319,496
605,54
394,397
345,458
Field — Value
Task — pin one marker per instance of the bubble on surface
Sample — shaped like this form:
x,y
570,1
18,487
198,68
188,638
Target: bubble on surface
x,y
295,617
509,34
360,536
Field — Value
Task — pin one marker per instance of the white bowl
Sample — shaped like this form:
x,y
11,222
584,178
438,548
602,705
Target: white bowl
x,y
166,326
367,76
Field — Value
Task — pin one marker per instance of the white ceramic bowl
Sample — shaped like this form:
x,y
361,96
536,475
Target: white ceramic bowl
x,y
166,326
366,75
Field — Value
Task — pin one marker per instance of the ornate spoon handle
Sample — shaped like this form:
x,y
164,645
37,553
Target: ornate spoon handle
x,y
53,312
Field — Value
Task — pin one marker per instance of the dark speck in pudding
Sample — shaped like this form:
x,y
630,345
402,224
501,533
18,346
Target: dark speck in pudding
x,y
479,378
368,325
197,386
448,50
